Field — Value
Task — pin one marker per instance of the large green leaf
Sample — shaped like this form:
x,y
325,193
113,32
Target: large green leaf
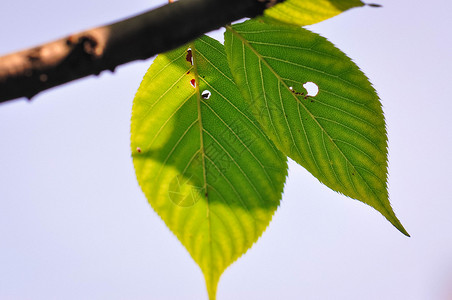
x,y
307,12
201,159
339,135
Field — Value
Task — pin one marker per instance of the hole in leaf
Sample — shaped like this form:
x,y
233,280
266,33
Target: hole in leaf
x,y
189,56
193,83
311,88
206,94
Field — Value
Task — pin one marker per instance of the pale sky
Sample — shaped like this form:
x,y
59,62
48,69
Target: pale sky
x,y
75,225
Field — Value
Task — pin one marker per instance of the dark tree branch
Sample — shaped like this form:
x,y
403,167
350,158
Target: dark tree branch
x,y
28,72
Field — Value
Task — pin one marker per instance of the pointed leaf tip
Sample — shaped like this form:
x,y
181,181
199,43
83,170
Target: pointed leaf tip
x,y
339,134
399,227
201,159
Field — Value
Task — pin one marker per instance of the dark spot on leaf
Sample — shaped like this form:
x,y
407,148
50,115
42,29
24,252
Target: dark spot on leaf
x,y
295,92
193,83
138,149
189,56
188,72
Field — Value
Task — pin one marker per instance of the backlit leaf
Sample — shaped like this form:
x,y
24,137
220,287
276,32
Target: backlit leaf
x,y
339,135
307,12
201,159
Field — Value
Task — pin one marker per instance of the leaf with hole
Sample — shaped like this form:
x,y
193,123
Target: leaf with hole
x,y
201,159
307,12
339,134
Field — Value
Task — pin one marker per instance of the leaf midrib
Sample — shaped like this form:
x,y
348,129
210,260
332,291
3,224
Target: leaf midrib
x,y
203,158
261,58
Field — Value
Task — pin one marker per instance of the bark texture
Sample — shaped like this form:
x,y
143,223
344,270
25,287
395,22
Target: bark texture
x,y
28,72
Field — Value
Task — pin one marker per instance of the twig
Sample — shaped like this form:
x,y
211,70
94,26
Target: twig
x,y
29,72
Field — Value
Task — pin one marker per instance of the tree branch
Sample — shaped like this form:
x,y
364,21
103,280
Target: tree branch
x,y
29,72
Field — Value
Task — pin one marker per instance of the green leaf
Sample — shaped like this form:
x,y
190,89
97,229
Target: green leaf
x,y
339,135
201,159
307,12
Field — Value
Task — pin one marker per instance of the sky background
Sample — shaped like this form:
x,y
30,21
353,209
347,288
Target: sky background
x,y
75,225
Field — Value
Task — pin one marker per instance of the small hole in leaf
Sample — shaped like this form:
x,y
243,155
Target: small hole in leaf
x,y
193,83
311,88
189,56
206,94
291,88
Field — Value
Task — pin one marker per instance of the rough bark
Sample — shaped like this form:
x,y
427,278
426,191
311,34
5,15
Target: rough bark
x,y
28,72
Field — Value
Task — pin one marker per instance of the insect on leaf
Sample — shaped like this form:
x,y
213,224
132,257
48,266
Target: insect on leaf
x,y
307,12
338,132
201,158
